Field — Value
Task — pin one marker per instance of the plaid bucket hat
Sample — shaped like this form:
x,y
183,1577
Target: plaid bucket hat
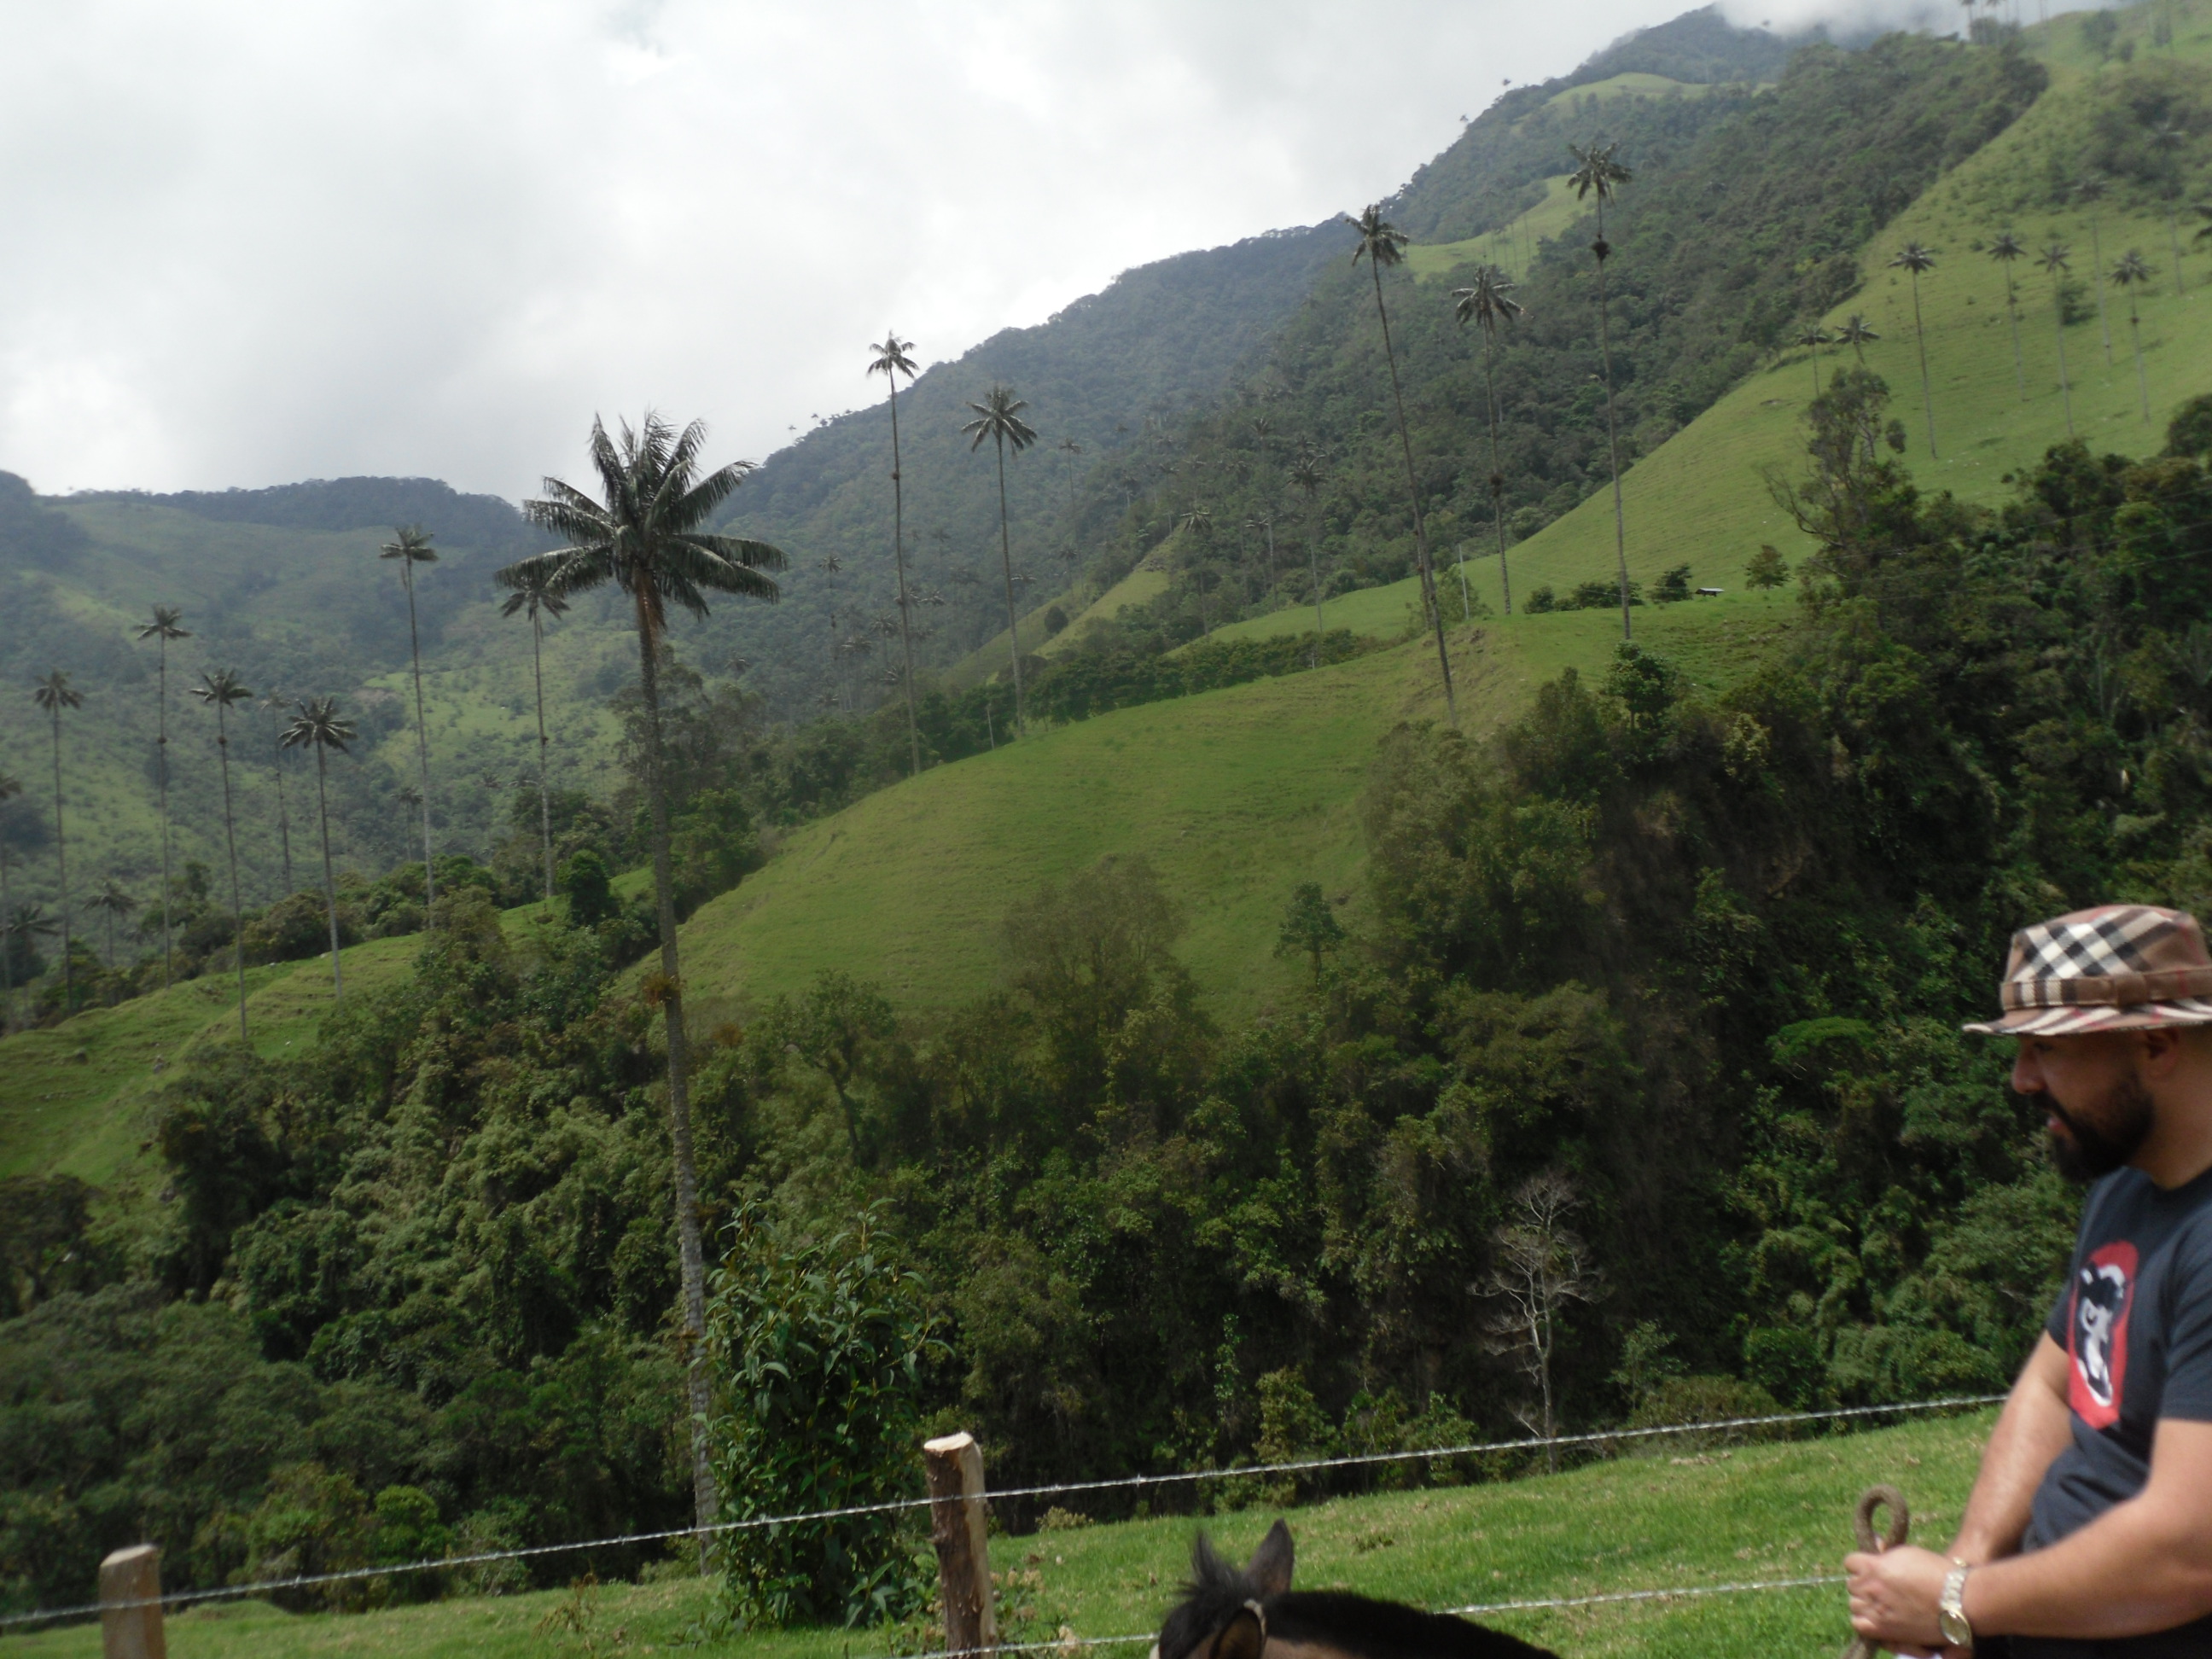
x,y
2117,967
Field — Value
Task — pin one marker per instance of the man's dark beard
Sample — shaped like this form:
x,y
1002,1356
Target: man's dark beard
x,y
2104,1139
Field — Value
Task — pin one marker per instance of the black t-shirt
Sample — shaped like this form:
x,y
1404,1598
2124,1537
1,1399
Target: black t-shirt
x,y
2135,1321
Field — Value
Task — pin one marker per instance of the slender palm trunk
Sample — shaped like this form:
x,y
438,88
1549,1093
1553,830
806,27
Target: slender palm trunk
x,y
690,1250
2134,336
422,740
1612,427
1927,396
545,802
61,858
111,936
162,769
330,880
2011,316
2173,233
1413,499
1013,628
230,841
1313,563
7,949
2058,316
283,817
1496,470
898,560
2097,253
1271,558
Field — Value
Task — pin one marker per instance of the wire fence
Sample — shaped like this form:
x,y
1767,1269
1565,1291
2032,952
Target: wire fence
x,y
1602,1439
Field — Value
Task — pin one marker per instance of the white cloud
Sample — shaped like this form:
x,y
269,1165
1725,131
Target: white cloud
x,y
250,243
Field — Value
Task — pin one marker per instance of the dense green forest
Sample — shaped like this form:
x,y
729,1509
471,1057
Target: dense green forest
x,y
1677,976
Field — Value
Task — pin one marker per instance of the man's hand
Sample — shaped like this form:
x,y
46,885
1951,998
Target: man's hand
x,y
1894,1595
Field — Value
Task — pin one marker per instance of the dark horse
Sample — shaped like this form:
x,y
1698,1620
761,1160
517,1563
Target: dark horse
x,y
1252,1613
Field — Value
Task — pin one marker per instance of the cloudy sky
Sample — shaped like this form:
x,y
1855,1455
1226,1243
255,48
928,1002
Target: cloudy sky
x,y
251,243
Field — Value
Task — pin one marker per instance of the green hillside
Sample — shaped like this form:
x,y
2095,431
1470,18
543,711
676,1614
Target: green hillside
x,y
1681,1517
1235,797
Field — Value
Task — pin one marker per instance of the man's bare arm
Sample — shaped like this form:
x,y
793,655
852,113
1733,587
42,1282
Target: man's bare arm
x,y
2034,1428
2142,1566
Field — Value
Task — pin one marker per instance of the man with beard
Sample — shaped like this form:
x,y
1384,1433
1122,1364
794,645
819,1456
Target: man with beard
x,y
2089,1531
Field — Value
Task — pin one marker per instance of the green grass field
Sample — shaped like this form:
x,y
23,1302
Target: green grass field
x,y
1678,1518
1234,796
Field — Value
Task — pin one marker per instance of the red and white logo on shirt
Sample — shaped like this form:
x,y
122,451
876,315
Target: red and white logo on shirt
x,y
2097,1333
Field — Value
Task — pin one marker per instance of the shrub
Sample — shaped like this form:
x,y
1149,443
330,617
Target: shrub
x,y
819,1346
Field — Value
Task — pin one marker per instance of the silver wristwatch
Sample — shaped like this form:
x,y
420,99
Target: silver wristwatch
x,y
1951,1609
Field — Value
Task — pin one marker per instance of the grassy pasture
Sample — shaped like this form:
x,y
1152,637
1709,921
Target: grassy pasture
x,y
1236,796
1675,1518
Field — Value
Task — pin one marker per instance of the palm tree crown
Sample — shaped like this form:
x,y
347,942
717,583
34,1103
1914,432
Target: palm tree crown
x,y
1856,335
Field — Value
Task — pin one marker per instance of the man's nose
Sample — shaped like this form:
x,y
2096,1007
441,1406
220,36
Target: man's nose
x,y
2026,1076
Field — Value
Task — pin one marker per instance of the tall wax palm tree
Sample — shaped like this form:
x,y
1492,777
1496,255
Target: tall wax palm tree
x,y
891,360
1381,243
1197,522
2056,259
1264,523
2004,249
999,417
113,900
1813,336
1072,450
1486,304
1307,476
1856,335
1915,258
163,629
648,537
1598,173
318,726
411,546
532,593
54,693
2089,190
9,788
28,922
2130,271
2169,138
219,689
274,705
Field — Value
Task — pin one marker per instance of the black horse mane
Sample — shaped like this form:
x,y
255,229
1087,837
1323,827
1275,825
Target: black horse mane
x,y
1354,1625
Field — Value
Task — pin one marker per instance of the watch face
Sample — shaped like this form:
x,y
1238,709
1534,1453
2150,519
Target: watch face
x,y
1957,1632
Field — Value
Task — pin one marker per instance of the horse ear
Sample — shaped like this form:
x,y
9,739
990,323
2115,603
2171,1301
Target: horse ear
x,y
1243,1637
1273,1561
1206,1567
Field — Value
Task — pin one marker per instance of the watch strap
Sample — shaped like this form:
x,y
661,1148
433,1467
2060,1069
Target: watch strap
x,y
1951,1609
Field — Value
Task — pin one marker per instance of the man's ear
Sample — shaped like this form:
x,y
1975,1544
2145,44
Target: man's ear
x,y
1244,1638
2162,1048
1273,1562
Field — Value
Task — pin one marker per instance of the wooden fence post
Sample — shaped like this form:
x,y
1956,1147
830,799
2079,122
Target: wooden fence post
x,y
131,1575
957,1526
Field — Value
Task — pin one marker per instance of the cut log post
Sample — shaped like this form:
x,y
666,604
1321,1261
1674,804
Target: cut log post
x,y
128,1632
964,1551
